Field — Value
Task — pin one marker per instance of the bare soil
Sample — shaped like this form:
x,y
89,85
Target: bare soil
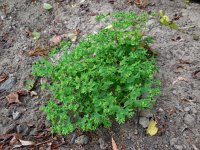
x,y
178,106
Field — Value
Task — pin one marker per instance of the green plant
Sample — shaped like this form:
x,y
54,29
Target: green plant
x,y
108,74
164,20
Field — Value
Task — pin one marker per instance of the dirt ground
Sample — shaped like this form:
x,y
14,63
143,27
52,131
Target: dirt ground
x,y
178,106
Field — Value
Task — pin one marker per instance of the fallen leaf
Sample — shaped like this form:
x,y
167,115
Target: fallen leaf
x,y
13,98
39,51
72,36
3,77
177,68
33,93
172,111
15,139
180,79
22,92
47,6
26,143
35,35
141,3
114,145
6,136
56,39
33,1
152,129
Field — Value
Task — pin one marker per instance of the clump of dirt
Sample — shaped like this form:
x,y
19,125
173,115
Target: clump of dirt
x,y
178,106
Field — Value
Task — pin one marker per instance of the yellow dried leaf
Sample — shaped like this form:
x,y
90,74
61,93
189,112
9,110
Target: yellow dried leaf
x,y
152,129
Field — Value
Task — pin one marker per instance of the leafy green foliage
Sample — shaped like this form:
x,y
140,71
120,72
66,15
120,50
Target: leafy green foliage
x,y
108,74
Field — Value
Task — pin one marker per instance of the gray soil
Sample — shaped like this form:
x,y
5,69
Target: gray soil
x,y
178,106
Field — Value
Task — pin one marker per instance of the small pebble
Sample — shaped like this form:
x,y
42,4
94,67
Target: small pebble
x,y
23,129
196,37
189,120
186,109
7,129
8,84
160,110
146,113
178,147
103,144
144,122
34,132
83,139
136,132
173,141
194,110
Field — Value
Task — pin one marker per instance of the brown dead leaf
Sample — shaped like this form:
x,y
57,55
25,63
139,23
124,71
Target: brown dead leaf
x,y
172,111
3,77
141,3
15,139
13,98
114,145
22,92
6,136
39,51
33,1
56,39
26,143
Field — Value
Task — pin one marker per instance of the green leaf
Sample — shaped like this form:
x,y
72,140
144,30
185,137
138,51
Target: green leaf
x,y
35,35
173,25
47,6
161,13
29,84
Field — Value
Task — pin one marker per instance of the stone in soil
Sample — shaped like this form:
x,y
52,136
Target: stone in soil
x,y
189,120
83,139
8,84
144,122
146,113
178,147
103,144
7,129
23,129
173,141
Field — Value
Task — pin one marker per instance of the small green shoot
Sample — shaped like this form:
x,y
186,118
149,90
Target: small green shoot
x,y
35,35
165,20
47,6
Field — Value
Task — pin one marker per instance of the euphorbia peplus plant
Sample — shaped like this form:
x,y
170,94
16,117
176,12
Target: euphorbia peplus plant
x,y
107,75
